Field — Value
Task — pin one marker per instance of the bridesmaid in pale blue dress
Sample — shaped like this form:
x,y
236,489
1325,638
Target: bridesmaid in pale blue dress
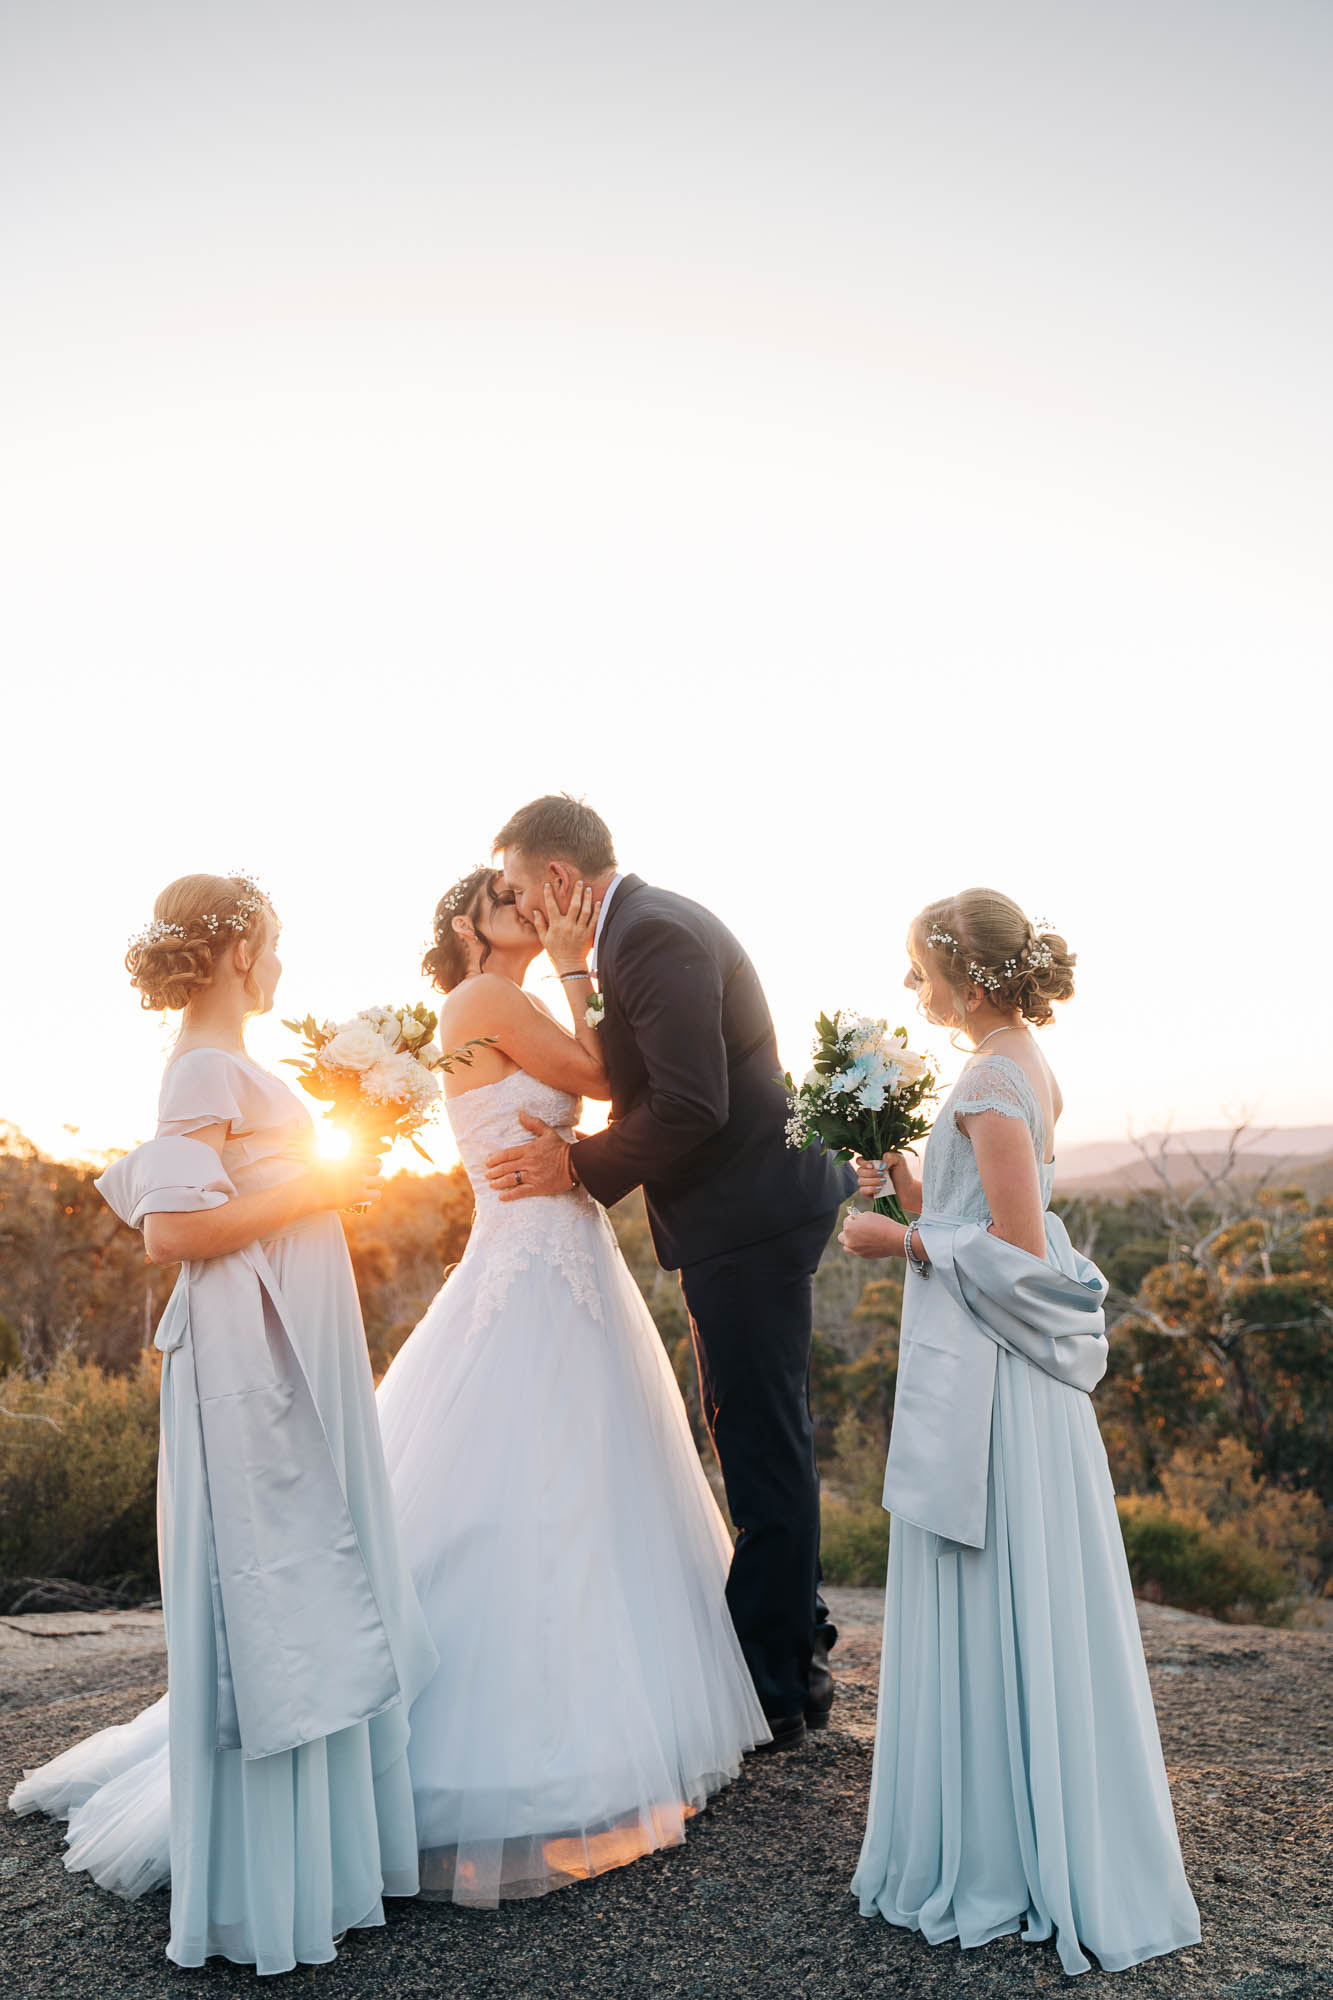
x,y
1018,1776
270,1784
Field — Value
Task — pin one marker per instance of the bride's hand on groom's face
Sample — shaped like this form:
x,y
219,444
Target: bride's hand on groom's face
x,y
567,935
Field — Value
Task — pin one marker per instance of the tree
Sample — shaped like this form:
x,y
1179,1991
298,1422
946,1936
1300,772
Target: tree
x,y
1232,1333
73,1280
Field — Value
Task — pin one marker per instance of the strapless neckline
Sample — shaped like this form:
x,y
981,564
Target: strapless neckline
x,y
496,1083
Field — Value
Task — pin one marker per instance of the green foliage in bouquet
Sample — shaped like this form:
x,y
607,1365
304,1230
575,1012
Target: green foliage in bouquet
x,y
864,1095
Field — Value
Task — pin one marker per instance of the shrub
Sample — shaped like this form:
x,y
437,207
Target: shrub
x,y
78,1465
1176,1560
1289,1531
854,1542
856,1473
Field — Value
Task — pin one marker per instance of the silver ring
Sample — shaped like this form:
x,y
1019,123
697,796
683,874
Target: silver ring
x,y
518,1178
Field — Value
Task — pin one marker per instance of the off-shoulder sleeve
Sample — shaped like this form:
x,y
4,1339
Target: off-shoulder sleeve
x,y
165,1176
991,1085
202,1087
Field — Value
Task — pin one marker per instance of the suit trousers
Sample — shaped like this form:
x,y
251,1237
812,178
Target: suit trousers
x,y
750,1314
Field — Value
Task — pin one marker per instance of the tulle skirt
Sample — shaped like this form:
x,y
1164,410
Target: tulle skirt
x,y
1018,1777
572,1565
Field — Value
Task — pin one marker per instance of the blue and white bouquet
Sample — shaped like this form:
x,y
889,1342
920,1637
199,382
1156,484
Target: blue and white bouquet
x,y
864,1095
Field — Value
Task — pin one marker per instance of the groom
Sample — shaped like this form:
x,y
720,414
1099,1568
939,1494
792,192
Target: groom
x,y
698,1121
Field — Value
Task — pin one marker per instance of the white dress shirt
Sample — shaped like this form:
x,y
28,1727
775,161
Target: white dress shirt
x,y
612,886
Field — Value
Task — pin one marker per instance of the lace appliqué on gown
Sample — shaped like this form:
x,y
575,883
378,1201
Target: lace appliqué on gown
x,y
560,1230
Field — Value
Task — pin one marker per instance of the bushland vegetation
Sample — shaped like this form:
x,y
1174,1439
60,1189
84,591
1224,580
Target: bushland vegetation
x,y
1217,1408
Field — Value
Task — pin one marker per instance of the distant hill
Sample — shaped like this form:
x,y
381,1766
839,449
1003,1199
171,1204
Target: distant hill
x,y
1113,1166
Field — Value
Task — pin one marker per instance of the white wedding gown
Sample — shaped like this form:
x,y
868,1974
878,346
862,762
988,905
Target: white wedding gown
x,y
565,1546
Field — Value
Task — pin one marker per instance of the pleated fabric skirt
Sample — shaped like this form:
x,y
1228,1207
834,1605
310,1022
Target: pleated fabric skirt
x,y
268,1858
1018,1776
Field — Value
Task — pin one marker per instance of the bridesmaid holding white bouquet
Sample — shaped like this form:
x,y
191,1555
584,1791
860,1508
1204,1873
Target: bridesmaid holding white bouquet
x,y
270,1784
1018,1777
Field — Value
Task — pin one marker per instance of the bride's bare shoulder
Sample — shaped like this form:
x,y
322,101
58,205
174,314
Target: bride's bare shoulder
x,y
486,996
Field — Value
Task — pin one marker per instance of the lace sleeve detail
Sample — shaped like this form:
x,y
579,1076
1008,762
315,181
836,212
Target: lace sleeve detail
x,y
202,1087
991,1085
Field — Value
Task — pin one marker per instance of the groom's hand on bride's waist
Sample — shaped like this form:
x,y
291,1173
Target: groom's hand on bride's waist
x,y
541,1167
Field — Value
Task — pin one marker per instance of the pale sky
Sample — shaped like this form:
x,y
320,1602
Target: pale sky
x,y
867,450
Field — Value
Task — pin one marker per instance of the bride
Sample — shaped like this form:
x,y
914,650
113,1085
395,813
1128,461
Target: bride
x,y
565,1545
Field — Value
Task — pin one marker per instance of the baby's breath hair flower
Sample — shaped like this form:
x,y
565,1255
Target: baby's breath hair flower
x,y
154,933
454,903
250,901
1034,957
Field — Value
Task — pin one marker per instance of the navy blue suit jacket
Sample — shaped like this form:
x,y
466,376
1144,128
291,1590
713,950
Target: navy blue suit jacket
x,y
698,1106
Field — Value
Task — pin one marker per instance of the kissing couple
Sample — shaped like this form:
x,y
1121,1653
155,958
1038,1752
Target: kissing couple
x,y
484,1633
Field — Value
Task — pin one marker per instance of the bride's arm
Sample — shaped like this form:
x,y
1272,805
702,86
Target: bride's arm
x,y
520,1028
180,1237
568,940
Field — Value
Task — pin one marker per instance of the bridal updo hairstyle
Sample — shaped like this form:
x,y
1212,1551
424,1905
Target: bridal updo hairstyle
x,y
196,919
983,938
445,963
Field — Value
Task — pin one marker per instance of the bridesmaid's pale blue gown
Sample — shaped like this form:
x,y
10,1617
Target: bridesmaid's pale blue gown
x,y
1018,1776
269,1857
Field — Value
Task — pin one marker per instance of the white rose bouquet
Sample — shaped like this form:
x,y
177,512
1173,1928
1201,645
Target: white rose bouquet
x,y
864,1095
378,1071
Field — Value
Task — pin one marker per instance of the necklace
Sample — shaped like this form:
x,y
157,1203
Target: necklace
x,y
1006,1028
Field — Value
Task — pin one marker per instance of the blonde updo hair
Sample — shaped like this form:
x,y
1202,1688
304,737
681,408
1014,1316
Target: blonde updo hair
x,y
983,939
196,920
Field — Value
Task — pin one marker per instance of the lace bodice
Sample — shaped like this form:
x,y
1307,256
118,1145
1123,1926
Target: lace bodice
x,y
485,1121
950,1182
559,1229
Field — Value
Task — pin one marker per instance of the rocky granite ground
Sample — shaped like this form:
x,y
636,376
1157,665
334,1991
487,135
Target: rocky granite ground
x,y
755,1904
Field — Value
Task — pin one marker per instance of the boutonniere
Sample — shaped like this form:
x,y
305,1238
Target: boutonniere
x,y
594,1011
